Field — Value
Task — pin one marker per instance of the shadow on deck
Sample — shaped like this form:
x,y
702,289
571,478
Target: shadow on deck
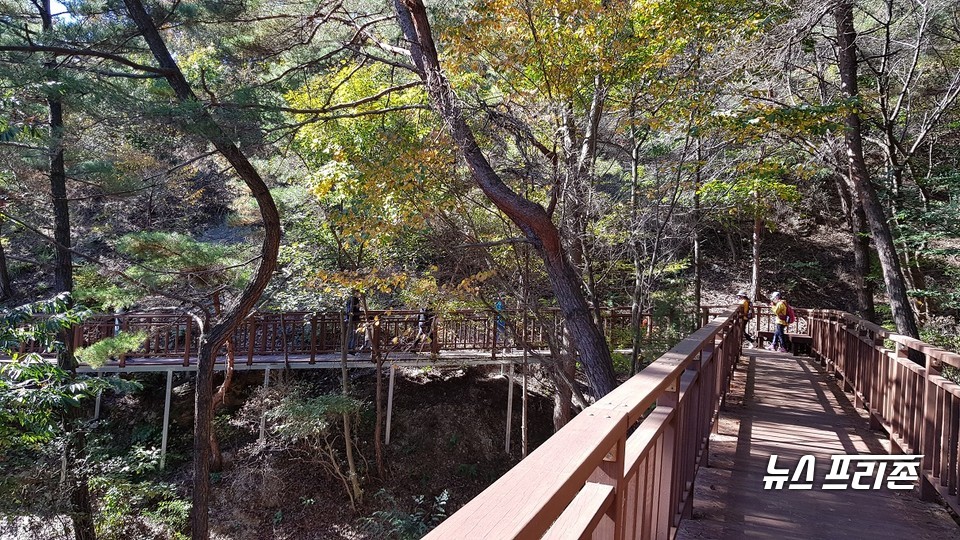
x,y
786,405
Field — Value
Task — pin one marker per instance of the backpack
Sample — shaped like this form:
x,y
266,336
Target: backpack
x,y
791,315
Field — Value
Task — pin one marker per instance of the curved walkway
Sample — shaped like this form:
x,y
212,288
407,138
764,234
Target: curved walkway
x,y
786,405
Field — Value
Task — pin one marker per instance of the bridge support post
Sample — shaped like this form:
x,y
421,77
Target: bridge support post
x,y
96,406
263,417
386,435
506,444
166,418
523,408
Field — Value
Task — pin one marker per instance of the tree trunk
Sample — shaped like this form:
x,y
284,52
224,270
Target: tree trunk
x,y
563,398
63,268
80,500
636,307
377,353
757,238
529,216
697,262
584,171
81,505
219,399
356,492
883,240
204,123
861,246
63,265
202,427
6,286
378,427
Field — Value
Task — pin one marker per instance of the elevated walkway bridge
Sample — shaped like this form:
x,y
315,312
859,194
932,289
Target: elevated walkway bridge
x,y
864,432
857,437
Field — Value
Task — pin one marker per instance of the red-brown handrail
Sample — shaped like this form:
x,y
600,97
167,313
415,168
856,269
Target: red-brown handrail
x,y
309,334
907,397
624,467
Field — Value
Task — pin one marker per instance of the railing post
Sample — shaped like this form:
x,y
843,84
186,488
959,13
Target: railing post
x,y
313,338
435,336
610,472
928,429
124,324
77,335
188,339
375,346
493,347
323,332
879,396
828,335
899,386
663,521
251,341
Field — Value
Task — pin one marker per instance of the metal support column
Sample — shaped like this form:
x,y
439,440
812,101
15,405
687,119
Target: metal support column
x,y
96,406
393,370
506,444
166,418
263,417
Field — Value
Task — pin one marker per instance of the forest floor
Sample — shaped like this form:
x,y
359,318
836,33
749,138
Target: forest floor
x,y
811,271
447,445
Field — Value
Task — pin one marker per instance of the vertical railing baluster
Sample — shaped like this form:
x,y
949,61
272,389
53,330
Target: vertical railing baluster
x,y
188,338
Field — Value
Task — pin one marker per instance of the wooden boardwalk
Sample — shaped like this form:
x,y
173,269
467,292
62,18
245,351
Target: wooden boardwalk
x,y
786,405
455,358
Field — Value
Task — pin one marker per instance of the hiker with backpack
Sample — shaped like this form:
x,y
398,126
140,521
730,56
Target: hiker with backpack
x,y
785,316
747,313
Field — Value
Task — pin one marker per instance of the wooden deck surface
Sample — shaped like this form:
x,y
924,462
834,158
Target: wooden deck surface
x,y
787,405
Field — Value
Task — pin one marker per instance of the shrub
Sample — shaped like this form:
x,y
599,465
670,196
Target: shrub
x,y
407,523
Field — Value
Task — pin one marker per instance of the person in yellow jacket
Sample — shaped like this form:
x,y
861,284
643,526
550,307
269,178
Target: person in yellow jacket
x,y
779,307
747,313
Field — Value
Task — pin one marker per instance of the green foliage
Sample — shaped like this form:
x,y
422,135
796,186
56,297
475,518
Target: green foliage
x,y
39,322
405,523
36,394
300,418
468,470
621,362
101,293
127,508
453,440
33,396
753,192
942,332
173,260
129,463
759,119
108,348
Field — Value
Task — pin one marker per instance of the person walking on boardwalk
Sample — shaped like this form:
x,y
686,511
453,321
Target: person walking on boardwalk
x,y
779,307
426,331
747,313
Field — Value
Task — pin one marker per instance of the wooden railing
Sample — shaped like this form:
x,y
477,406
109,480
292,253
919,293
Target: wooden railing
x,y
311,334
624,467
900,381
765,321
